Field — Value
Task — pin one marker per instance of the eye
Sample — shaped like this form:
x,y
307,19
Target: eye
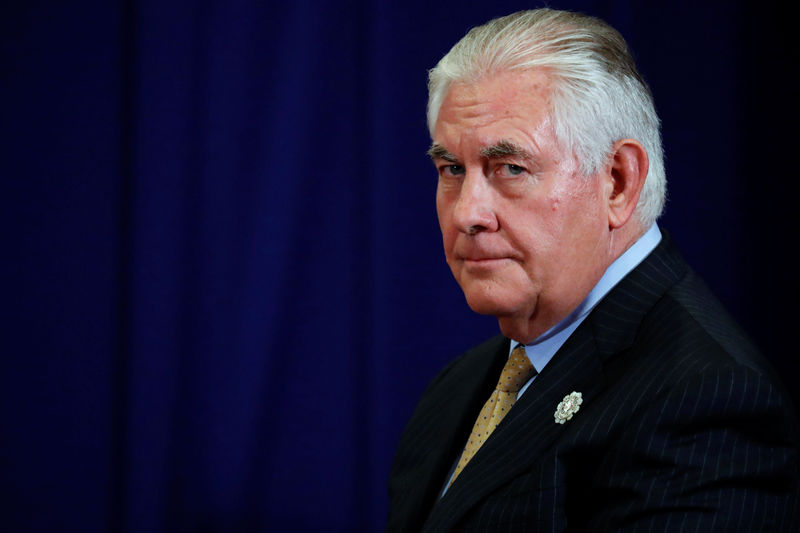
x,y
514,170
452,170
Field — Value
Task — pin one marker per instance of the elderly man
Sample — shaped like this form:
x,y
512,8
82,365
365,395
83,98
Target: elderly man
x,y
620,395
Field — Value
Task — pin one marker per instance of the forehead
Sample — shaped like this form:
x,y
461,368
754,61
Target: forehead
x,y
504,105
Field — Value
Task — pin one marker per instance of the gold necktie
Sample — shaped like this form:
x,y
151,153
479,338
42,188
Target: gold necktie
x,y
516,373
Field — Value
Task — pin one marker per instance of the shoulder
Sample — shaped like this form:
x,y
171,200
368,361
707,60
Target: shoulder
x,y
476,359
462,376
707,424
687,348
690,331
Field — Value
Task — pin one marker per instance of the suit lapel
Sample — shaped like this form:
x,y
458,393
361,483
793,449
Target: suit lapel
x,y
525,433
581,365
440,426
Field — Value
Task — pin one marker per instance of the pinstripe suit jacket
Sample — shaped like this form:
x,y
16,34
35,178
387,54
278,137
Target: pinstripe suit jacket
x,y
683,427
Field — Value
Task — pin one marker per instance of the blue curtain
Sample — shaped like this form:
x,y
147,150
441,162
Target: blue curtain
x,y
223,286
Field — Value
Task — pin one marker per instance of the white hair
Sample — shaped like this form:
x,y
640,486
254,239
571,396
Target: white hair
x,y
598,95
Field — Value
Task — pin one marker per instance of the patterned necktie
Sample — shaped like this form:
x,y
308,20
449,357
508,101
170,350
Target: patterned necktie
x,y
516,373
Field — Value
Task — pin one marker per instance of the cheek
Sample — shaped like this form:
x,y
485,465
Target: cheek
x,y
443,207
449,233
579,206
441,213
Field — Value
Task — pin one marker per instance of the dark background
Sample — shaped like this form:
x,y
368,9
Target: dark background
x,y
223,286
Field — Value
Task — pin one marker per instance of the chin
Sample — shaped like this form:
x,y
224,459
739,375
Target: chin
x,y
495,304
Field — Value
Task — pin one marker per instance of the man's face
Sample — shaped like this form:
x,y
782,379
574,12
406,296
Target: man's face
x,y
525,234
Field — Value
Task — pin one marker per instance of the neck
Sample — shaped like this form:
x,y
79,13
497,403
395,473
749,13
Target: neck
x,y
529,324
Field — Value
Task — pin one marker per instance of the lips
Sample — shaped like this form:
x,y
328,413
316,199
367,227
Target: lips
x,y
473,253
481,256
484,262
482,259
477,255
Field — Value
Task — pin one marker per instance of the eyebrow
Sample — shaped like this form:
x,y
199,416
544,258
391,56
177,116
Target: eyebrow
x,y
505,148
502,148
437,151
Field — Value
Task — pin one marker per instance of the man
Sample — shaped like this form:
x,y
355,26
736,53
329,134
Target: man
x,y
620,395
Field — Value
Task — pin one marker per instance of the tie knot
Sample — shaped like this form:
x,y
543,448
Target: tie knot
x,y
517,372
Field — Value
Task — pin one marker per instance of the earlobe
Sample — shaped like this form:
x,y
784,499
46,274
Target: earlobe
x,y
627,170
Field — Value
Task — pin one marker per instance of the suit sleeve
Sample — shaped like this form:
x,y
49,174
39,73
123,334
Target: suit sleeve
x,y
716,453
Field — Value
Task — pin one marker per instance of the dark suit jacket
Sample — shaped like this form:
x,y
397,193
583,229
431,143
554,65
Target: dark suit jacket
x,y
683,427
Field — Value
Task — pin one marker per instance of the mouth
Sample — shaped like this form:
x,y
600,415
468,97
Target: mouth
x,y
484,262
484,258
479,258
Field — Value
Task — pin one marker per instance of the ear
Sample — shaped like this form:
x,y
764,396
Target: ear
x,y
626,172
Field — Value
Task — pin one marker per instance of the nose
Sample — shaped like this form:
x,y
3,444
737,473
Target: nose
x,y
474,212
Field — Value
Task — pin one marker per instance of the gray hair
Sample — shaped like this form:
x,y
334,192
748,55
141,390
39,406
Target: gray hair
x,y
598,95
